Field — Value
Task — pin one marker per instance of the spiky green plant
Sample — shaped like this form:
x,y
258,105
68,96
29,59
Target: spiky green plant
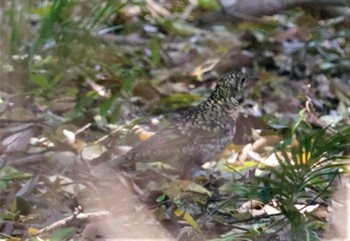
x,y
305,172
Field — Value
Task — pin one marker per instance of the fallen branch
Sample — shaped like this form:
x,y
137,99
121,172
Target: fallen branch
x,y
270,7
27,160
250,9
75,220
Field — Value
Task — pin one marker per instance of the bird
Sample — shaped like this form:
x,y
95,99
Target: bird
x,y
196,135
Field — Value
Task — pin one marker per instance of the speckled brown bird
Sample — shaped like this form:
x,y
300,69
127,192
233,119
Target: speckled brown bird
x,y
198,135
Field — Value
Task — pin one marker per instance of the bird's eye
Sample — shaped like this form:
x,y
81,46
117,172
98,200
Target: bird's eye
x,y
243,80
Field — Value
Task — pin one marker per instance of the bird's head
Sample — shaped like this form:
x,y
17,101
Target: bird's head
x,y
230,85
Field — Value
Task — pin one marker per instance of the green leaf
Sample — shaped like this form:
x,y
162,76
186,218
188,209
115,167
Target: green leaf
x,y
247,165
62,234
129,78
300,118
178,27
209,4
156,55
107,105
161,198
85,101
179,100
40,79
188,218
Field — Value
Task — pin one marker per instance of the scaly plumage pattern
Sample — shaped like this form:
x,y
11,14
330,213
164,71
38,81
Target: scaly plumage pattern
x,y
196,136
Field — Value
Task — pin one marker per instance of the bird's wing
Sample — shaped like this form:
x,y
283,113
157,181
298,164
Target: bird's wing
x,y
168,142
178,136
163,141
167,138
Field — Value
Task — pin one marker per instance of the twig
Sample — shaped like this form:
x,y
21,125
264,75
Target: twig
x,y
28,160
308,109
319,194
82,129
256,218
74,220
110,134
188,10
243,220
7,121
